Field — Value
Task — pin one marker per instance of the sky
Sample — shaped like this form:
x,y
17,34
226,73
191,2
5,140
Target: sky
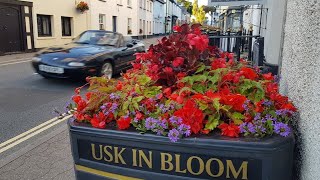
x,y
201,2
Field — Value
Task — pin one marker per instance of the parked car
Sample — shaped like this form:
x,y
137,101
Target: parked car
x,y
92,53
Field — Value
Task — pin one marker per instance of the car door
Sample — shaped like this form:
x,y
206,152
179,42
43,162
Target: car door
x,y
126,55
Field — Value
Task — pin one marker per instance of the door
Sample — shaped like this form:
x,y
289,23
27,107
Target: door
x,y
10,32
114,23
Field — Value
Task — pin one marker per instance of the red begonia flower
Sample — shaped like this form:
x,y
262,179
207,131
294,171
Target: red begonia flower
x,y
124,123
178,61
248,73
229,130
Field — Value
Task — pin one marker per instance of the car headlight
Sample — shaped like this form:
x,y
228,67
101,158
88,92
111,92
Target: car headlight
x,y
36,59
76,64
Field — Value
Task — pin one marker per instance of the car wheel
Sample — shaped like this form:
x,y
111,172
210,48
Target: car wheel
x,y
107,70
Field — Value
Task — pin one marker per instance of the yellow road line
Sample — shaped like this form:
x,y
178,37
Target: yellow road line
x,y
23,137
104,174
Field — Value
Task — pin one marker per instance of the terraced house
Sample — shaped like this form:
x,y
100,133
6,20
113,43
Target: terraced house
x,y
31,24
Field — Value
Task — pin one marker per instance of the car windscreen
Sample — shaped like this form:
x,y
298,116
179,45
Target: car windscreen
x,y
98,38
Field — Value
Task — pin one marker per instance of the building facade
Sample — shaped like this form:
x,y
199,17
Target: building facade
x,y
158,17
173,15
145,18
32,24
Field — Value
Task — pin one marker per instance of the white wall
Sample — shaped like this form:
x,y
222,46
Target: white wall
x,y
56,9
158,17
121,11
300,80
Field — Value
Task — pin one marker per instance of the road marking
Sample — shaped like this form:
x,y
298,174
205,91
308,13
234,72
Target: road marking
x,y
14,60
14,63
30,133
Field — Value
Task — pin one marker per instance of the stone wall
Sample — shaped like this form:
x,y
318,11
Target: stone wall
x,y
301,81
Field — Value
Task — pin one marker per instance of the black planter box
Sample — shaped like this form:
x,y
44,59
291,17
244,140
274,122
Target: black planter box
x,y
111,154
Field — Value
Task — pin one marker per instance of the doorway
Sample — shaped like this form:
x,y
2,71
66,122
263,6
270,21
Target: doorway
x,y
10,29
114,23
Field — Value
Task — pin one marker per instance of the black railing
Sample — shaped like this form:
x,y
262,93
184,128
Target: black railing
x,y
239,43
243,45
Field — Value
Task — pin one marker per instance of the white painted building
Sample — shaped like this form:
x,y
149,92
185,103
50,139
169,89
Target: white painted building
x,y
158,17
145,17
117,15
173,13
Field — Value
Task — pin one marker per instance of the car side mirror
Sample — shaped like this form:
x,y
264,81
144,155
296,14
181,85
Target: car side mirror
x,y
129,45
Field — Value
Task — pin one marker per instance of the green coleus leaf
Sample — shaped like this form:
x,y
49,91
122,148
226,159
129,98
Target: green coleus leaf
x,y
199,78
137,99
202,105
135,105
237,118
186,89
187,79
216,104
213,122
125,105
199,88
214,79
200,69
144,79
252,89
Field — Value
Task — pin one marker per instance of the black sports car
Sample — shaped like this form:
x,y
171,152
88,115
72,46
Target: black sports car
x,y
92,53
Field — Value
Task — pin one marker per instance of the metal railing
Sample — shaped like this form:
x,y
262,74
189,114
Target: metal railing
x,y
239,43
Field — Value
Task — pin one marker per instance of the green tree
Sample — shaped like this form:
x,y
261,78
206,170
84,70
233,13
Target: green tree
x,y
187,4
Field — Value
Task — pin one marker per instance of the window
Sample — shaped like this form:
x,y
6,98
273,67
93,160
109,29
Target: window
x,y
129,3
102,21
150,6
147,5
66,26
129,26
44,25
140,3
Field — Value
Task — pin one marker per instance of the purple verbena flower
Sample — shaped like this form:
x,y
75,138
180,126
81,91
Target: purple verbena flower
x,y
267,103
257,117
243,127
136,120
114,96
260,128
184,129
114,107
282,129
173,135
251,128
103,107
150,123
175,120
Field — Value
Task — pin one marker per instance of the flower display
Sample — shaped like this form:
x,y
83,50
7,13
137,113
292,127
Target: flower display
x,y
82,7
183,87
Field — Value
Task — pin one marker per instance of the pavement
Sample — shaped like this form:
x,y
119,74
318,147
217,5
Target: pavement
x,y
34,143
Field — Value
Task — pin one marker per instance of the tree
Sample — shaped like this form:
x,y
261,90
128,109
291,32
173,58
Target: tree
x,y
187,4
198,13
201,15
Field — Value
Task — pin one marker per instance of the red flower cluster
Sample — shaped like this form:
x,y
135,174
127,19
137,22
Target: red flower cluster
x,y
182,84
124,123
191,116
236,101
230,130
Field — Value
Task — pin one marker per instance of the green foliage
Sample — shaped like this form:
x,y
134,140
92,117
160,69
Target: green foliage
x,y
252,89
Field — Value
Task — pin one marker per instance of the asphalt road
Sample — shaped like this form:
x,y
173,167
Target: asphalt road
x,y
27,99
